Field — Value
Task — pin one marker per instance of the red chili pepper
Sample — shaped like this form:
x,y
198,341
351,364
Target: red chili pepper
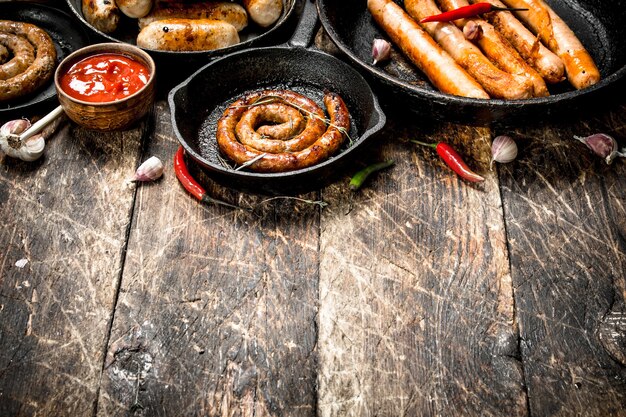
x,y
467,11
190,184
453,160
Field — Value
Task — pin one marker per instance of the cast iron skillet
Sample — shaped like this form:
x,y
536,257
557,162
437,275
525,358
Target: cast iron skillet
x,y
599,24
252,35
66,37
197,103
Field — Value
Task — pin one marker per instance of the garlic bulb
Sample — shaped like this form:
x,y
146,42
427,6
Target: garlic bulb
x,y
27,150
503,150
150,170
380,50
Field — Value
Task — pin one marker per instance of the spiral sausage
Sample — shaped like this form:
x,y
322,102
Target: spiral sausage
x,y
37,74
4,54
314,144
23,55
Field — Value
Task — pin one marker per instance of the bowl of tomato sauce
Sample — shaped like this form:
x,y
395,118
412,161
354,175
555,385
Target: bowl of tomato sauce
x,y
106,86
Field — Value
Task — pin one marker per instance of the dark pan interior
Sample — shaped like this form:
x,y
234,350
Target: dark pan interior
x,y
65,34
198,103
598,24
252,35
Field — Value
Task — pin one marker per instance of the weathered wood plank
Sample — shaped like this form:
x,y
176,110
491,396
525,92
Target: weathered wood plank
x,y
67,214
217,309
566,222
416,304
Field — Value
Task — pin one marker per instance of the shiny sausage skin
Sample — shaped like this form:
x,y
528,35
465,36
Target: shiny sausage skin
x,y
442,71
580,68
134,8
499,50
232,13
23,55
497,83
264,12
103,15
294,134
187,35
42,67
322,148
547,64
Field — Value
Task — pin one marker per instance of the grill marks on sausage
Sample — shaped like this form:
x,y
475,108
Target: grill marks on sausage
x,y
319,140
39,71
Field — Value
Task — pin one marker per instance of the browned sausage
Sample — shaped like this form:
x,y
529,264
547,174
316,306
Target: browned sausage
x,y
187,35
497,83
579,65
103,15
232,13
264,12
23,55
42,67
547,64
442,71
4,54
294,133
322,148
134,8
499,50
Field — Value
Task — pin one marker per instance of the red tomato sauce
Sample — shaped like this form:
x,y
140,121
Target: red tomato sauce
x,y
104,78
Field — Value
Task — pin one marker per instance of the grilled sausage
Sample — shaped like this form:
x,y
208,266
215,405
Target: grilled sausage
x,y
232,13
442,71
103,15
580,68
42,68
4,54
187,35
264,12
23,55
547,64
323,146
497,83
134,8
499,50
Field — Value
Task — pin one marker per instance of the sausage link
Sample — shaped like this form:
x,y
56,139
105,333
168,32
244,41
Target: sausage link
x,y
499,50
103,15
23,55
294,134
264,12
232,13
497,83
324,145
42,67
4,54
547,64
187,35
442,71
580,68
134,8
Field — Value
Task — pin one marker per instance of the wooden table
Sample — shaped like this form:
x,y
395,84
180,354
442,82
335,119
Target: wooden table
x,y
419,295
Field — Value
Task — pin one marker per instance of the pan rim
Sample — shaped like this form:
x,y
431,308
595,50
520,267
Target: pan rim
x,y
452,99
370,130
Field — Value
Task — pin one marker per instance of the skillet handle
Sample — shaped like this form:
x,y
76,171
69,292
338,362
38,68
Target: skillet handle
x,y
305,30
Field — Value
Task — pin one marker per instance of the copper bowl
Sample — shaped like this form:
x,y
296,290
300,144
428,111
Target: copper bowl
x,y
113,115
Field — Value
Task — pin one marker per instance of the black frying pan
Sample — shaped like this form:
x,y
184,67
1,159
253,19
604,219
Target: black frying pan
x,y
197,103
252,35
599,24
67,38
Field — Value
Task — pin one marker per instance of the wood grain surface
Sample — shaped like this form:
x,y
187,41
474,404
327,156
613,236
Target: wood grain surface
x,y
67,216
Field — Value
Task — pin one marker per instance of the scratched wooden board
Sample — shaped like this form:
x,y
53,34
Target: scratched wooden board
x,y
217,309
416,304
67,215
566,220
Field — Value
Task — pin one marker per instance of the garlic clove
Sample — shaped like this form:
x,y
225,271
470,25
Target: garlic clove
x,y
503,150
14,127
32,148
381,49
150,170
472,31
602,145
